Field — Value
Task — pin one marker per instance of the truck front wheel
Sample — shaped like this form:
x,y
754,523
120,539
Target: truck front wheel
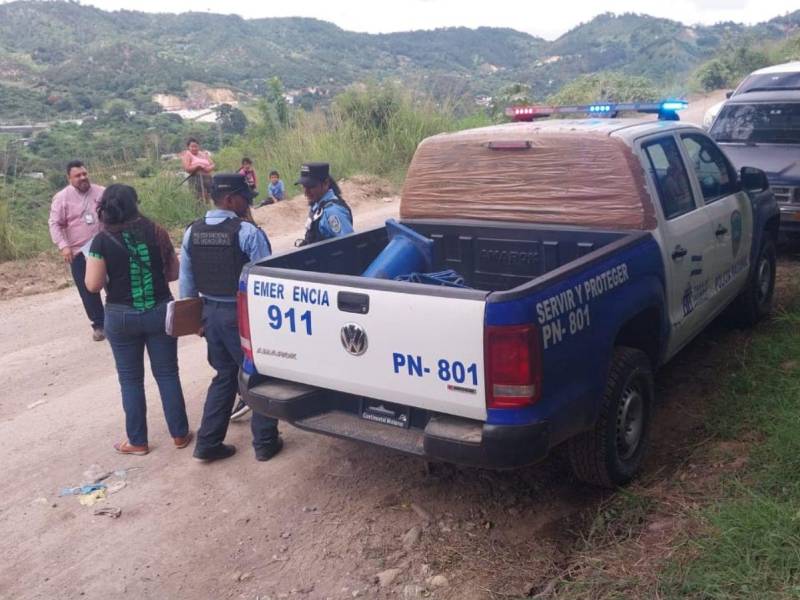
x,y
611,454
755,301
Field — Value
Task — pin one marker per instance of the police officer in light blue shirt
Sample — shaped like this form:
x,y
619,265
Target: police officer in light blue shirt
x,y
213,252
328,214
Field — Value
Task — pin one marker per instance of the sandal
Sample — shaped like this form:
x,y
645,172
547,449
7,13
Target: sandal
x,y
126,448
182,442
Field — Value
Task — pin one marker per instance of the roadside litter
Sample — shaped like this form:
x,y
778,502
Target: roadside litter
x,y
93,498
94,490
96,474
109,511
116,486
83,489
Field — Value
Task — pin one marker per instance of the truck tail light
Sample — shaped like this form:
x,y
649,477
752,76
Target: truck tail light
x,y
243,316
513,366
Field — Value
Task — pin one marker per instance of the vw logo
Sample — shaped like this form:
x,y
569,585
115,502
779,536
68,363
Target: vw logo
x,y
354,339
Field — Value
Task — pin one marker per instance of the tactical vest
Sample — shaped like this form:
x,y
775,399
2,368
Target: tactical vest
x,y
217,260
313,233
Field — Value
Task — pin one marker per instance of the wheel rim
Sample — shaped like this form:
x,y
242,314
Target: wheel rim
x,y
764,279
630,422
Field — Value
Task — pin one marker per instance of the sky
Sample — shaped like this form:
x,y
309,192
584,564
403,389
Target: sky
x,y
530,16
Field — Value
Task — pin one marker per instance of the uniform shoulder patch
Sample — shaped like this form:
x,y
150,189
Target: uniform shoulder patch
x,y
335,224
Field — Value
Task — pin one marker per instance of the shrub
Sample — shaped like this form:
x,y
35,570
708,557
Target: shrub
x,y
607,86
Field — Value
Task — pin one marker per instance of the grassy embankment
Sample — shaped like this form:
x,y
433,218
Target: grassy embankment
x,y
726,524
373,132
751,542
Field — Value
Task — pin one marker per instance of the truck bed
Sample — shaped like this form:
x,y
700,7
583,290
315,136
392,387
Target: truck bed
x,y
339,353
491,256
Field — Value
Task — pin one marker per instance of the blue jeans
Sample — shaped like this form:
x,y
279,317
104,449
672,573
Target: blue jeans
x,y
130,331
92,303
225,356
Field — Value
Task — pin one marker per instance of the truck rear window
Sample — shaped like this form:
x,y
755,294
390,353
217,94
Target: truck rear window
x,y
526,174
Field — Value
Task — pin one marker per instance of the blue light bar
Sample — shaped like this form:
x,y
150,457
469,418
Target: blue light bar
x,y
666,109
674,105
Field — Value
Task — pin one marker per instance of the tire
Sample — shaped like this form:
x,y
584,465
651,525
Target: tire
x,y
755,301
611,454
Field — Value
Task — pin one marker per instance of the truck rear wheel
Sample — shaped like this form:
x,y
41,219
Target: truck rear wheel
x,y
611,454
755,301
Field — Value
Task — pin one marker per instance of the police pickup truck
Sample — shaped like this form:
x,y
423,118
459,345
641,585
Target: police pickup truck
x,y
591,251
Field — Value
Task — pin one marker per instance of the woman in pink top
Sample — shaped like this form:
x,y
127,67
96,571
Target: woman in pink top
x,y
198,164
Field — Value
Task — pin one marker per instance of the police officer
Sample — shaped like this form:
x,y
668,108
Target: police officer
x,y
214,250
328,214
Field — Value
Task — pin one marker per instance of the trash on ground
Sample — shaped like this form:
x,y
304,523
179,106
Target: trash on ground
x,y
95,474
83,489
37,403
116,486
92,498
109,511
123,473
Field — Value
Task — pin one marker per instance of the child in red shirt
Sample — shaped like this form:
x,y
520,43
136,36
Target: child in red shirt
x,y
249,174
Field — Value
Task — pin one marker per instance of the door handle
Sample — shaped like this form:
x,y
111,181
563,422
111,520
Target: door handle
x,y
721,230
353,302
679,252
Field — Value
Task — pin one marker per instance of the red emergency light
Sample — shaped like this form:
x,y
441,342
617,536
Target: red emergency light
x,y
528,113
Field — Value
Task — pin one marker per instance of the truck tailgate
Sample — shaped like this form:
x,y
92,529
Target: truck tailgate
x,y
415,349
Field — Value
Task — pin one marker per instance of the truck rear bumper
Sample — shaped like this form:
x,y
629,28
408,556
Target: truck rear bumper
x,y
433,436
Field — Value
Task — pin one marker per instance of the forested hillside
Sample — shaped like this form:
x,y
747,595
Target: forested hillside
x,y
62,59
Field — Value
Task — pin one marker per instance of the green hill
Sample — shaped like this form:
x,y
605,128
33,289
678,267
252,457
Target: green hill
x,y
65,58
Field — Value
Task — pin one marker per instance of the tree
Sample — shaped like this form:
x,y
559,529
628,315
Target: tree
x,y
515,93
273,109
713,75
608,86
118,111
372,106
278,101
730,65
231,119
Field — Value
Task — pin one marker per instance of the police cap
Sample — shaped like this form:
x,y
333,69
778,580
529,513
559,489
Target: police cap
x,y
231,183
313,173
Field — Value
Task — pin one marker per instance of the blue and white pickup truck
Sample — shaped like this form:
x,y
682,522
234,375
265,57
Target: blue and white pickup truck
x,y
572,297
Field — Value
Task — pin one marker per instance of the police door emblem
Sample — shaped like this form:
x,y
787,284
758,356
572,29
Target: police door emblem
x,y
354,339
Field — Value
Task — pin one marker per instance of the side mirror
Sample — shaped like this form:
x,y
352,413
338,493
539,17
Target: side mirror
x,y
753,180
729,93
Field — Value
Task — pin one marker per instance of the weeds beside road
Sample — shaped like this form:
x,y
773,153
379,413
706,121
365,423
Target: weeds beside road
x,y
751,542
719,516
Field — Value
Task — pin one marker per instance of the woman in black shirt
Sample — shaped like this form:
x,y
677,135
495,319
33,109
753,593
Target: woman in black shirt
x,y
134,258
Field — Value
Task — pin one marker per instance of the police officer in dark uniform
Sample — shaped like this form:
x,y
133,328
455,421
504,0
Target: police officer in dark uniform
x,y
214,250
328,214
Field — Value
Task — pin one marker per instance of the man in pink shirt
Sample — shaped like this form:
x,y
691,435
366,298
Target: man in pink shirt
x,y
73,223
198,164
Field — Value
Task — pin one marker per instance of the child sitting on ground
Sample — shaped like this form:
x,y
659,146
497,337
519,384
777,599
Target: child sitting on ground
x,y
275,191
